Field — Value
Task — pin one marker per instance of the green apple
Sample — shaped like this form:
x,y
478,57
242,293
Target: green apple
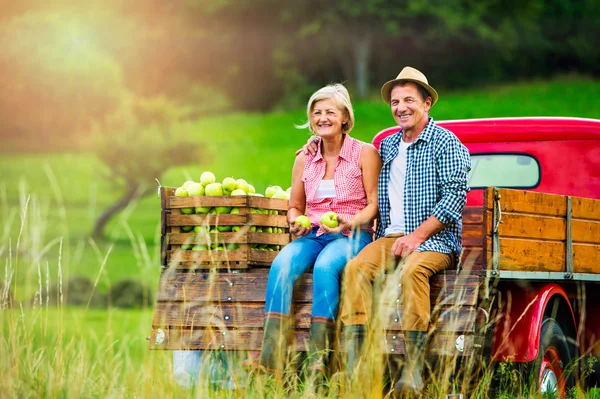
x,y
207,178
200,229
329,219
203,209
302,221
222,210
243,185
251,189
281,195
185,229
186,247
187,183
213,189
289,191
238,191
202,247
232,246
195,189
181,192
235,229
268,229
224,229
228,184
271,190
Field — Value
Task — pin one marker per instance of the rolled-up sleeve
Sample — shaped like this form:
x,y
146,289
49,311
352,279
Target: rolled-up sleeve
x,y
454,164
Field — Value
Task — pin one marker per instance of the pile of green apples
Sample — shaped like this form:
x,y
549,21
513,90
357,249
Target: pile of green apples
x,y
208,186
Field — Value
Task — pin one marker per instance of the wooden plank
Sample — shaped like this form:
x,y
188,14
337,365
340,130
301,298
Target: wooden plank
x,y
531,255
448,288
198,201
473,215
473,235
585,231
207,220
514,225
250,340
585,208
251,315
586,258
472,258
268,203
240,237
522,201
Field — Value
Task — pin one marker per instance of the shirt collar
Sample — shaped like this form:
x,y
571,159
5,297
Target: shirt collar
x,y
425,135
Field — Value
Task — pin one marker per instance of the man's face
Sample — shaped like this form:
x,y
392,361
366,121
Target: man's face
x,y
408,108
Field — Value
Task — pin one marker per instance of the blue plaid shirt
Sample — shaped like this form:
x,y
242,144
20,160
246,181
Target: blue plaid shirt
x,y
437,165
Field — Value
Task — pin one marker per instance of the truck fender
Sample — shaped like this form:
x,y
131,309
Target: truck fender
x,y
518,327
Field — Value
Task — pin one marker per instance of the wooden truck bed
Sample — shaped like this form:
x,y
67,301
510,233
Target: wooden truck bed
x,y
199,307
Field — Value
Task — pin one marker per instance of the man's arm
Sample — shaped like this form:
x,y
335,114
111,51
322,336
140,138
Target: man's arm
x,y
454,165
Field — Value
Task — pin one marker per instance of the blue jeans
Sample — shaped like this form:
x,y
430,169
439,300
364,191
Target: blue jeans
x,y
329,254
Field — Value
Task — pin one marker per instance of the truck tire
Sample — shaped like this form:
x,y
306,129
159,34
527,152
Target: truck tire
x,y
554,355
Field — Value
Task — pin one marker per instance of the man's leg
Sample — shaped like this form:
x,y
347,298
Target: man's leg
x,y
357,293
416,308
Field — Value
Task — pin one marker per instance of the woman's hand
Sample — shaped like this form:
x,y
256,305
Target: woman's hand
x,y
298,230
343,225
310,147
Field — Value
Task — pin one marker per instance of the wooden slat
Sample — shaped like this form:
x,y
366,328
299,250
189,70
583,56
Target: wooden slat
x,y
207,220
585,208
448,287
251,315
268,203
473,215
473,235
531,255
585,231
529,226
472,258
239,237
528,202
197,201
250,340
586,258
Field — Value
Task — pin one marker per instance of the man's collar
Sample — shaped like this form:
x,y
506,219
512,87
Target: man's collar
x,y
425,134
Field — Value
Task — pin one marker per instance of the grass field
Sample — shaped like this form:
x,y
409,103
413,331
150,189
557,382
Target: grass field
x,y
48,204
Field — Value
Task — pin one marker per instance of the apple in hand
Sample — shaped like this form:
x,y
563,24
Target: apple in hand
x,y
207,178
302,221
330,220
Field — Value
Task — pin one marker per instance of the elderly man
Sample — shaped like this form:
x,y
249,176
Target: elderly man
x,y
422,193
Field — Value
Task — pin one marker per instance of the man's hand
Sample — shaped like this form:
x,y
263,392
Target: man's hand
x,y
299,231
310,147
405,245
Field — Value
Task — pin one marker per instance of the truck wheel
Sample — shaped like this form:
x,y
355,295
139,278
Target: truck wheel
x,y
552,360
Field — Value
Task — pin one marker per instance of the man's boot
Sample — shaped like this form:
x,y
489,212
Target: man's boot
x,y
319,345
274,346
354,337
411,380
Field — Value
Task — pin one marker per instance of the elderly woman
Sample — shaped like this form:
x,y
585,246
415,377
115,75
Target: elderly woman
x,y
341,177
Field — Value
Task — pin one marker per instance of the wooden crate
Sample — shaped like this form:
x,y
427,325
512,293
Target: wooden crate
x,y
216,249
538,232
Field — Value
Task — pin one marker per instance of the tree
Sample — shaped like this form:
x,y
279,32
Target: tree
x,y
138,144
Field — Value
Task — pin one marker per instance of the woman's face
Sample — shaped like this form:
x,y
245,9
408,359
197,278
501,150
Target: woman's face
x,y
327,119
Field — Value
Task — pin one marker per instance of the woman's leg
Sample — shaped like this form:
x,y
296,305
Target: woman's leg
x,y
327,273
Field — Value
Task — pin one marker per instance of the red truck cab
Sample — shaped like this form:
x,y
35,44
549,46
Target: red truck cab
x,y
555,155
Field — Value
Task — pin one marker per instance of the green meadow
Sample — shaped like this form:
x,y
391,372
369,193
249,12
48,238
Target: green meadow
x,y
49,203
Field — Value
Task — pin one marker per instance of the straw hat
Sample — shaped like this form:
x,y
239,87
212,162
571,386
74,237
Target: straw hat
x,y
408,74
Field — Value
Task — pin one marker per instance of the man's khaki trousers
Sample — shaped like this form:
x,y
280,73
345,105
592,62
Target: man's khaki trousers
x,y
411,272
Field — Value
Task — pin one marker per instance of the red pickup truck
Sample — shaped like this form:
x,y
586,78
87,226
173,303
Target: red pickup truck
x,y
529,278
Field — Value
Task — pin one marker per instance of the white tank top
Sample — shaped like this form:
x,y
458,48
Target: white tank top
x,y
396,191
326,189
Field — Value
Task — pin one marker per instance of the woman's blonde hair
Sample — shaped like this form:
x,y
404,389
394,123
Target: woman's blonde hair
x,y
340,95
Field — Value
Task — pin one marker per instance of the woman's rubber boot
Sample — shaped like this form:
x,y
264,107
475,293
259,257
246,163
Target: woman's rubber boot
x,y
319,345
274,346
